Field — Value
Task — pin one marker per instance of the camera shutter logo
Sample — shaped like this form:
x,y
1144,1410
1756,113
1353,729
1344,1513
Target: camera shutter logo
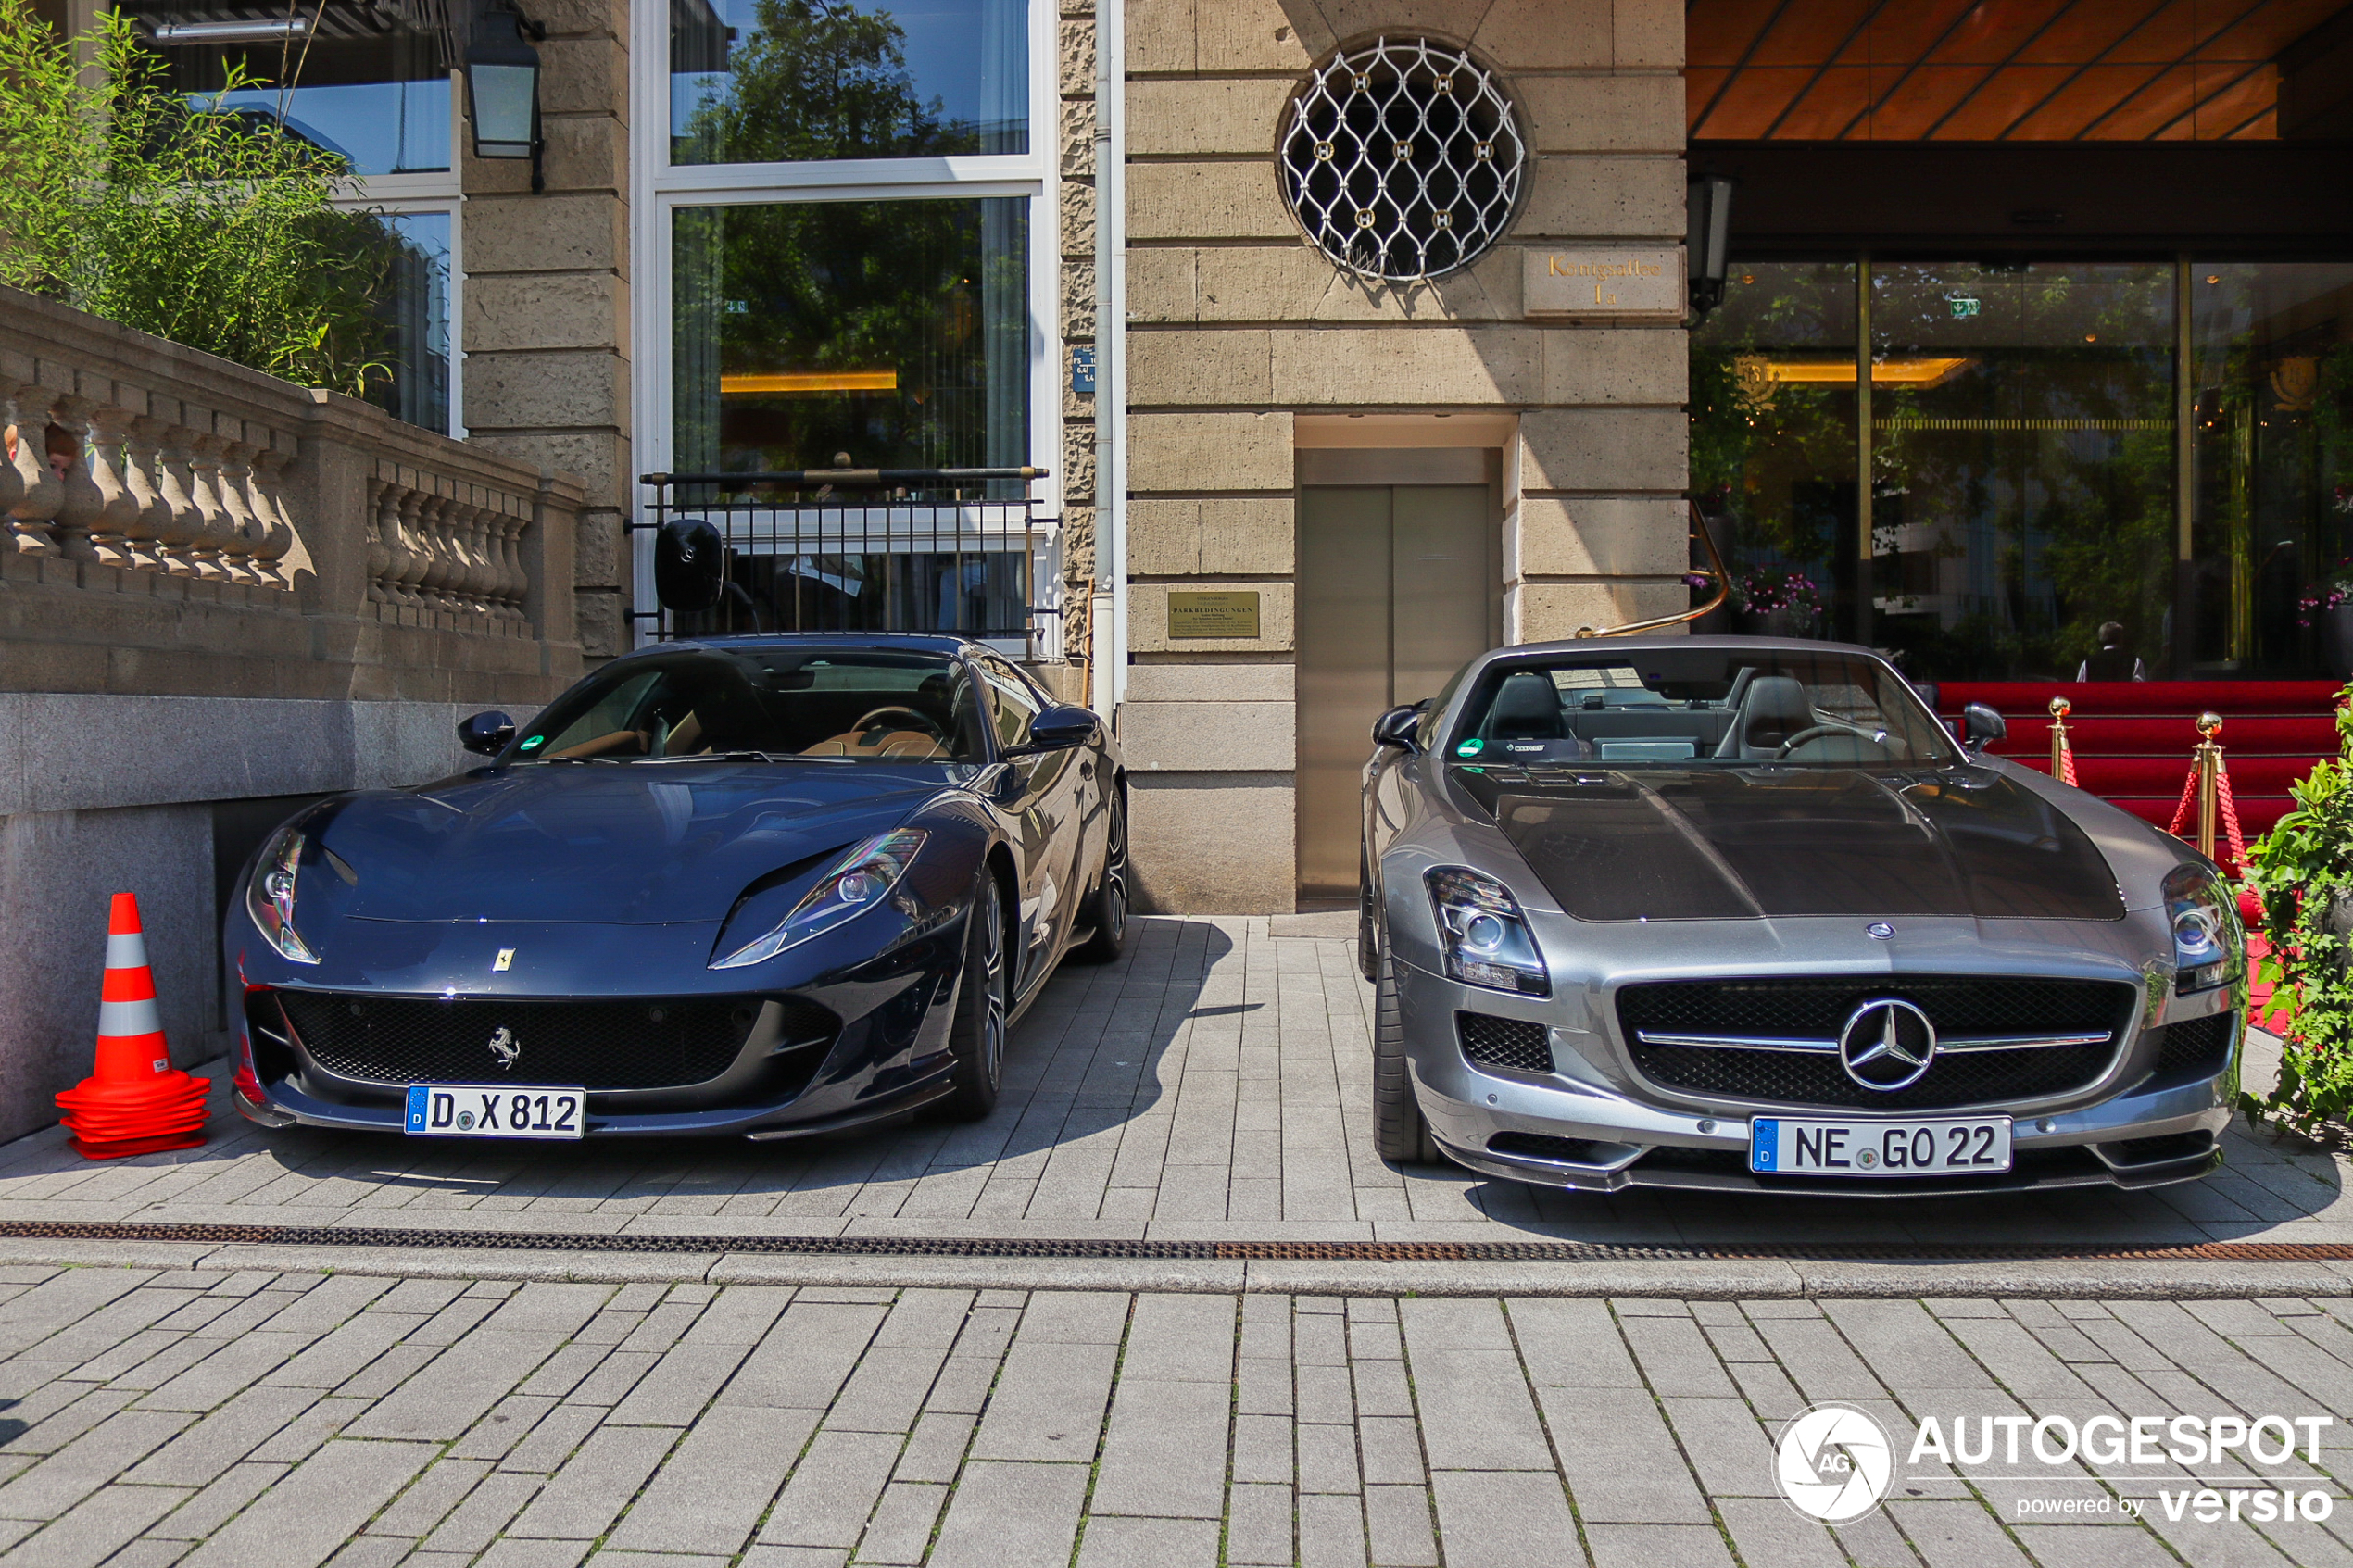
x,y
1834,1463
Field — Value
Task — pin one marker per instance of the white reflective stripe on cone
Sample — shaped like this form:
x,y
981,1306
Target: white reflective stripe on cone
x,y
126,949
130,1018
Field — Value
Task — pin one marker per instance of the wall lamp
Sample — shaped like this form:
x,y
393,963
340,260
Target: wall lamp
x,y
1710,235
502,84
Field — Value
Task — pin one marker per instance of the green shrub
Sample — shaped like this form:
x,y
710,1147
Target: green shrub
x,y
2303,872
123,197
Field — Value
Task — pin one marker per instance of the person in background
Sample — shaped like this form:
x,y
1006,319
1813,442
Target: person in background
x,y
2114,661
64,450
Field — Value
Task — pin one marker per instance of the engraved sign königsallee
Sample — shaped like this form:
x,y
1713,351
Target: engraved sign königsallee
x,y
1613,283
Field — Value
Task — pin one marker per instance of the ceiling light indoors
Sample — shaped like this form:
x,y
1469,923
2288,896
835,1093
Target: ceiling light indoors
x,y
802,383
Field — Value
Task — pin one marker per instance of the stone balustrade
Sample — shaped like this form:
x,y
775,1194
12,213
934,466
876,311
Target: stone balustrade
x,y
180,523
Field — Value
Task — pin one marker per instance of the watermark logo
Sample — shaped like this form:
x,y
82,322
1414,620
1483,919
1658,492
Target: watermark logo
x,y
1834,1463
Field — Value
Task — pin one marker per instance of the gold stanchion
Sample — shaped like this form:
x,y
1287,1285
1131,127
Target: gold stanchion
x,y
2060,707
2208,762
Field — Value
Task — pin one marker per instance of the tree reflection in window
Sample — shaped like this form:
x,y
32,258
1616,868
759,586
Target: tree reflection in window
x,y
798,81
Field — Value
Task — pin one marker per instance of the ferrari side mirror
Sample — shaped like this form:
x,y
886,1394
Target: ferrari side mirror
x,y
1981,726
1059,728
485,734
1396,727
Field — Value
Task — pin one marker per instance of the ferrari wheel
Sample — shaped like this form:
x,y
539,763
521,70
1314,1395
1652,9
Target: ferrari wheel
x,y
1106,909
977,1038
1400,1130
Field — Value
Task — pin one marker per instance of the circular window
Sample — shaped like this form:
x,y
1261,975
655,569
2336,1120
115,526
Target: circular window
x,y
1402,160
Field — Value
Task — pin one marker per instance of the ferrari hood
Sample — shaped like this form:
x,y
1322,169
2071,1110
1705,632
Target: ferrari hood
x,y
1728,844
635,844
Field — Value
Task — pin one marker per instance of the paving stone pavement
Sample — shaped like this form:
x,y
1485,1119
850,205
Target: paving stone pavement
x,y
1213,1084
219,1420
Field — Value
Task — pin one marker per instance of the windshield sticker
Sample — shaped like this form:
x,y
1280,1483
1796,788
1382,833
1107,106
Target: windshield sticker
x,y
534,743
1471,747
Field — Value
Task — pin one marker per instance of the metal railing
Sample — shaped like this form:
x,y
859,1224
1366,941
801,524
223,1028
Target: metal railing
x,y
866,550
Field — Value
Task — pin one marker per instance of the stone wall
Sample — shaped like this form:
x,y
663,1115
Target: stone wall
x,y
1239,327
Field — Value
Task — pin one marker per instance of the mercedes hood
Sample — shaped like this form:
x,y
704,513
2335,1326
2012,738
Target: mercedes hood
x,y
1757,843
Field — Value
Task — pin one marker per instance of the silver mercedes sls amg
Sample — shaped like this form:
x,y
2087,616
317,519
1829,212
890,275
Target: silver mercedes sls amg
x,y
1739,914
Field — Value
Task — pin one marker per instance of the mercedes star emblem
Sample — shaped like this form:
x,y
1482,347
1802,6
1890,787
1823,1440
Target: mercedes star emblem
x,y
1887,1045
1880,931
506,1048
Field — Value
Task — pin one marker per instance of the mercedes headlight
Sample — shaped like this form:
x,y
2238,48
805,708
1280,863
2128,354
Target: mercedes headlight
x,y
859,879
1482,933
2208,948
270,896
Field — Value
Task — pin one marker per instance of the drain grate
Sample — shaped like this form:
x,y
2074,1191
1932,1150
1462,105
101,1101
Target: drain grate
x,y
1177,1251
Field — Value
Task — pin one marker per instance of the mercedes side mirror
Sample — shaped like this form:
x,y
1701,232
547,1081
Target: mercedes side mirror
x,y
1059,728
1980,727
1396,727
486,734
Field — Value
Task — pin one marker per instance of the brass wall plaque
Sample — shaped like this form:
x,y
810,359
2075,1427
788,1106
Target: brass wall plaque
x,y
1615,283
1227,612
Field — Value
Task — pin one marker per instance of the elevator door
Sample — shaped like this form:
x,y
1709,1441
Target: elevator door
x,y
1398,588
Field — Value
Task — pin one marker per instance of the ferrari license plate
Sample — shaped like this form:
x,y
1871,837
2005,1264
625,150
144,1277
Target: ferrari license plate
x,y
494,1110
1978,1147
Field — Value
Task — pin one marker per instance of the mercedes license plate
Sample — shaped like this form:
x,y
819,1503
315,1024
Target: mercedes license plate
x,y
494,1110
1978,1145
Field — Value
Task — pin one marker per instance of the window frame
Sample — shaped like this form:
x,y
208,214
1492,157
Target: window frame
x,y
659,190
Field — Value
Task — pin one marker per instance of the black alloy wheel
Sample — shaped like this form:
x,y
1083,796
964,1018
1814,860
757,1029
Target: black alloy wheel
x,y
976,1037
1400,1130
1106,909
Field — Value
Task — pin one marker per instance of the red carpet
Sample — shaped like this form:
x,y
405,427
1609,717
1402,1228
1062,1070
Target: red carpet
x,y
2132,739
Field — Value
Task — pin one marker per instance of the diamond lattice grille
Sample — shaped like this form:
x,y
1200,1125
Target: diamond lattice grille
x,y
1402,160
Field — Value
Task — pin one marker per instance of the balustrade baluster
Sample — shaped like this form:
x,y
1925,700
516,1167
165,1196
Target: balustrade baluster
x,y
142,463
237,543
274,530
26,410
118,508
212,518
416,551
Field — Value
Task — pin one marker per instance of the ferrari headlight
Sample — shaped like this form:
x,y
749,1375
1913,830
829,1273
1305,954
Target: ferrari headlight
x,y
862,878
2208,948
270,896
1483,934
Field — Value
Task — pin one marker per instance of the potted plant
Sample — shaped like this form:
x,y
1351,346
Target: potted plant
x,y
1777,602
2302,871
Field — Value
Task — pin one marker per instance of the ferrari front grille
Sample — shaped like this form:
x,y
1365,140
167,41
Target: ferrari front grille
x,y
1772,1031
639,1043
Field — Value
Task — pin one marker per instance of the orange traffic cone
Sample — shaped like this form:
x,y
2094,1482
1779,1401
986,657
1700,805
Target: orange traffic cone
x,y
134,1101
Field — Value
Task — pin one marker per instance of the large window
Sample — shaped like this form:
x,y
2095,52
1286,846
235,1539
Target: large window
x,y
371,84
844,198
2035,492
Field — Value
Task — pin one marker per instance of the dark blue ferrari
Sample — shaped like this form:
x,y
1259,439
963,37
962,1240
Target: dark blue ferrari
x,y
771,886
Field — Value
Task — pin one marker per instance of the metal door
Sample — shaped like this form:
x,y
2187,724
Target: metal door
x,y
1398,587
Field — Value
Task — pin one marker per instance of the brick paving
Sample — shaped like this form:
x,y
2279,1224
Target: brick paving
x,y
219,1420
1213,1084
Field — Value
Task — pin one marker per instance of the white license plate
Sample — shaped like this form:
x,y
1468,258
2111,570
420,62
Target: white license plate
x,y
1977,1147
494,1110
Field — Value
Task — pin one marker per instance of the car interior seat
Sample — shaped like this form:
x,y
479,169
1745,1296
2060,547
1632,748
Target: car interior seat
x,y
1527,709
1773,709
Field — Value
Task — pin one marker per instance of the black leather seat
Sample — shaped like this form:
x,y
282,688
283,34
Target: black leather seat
x,y
1527,709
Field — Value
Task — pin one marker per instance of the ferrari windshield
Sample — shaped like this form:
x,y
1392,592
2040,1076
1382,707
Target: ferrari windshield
x,y
1678,708
845,704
